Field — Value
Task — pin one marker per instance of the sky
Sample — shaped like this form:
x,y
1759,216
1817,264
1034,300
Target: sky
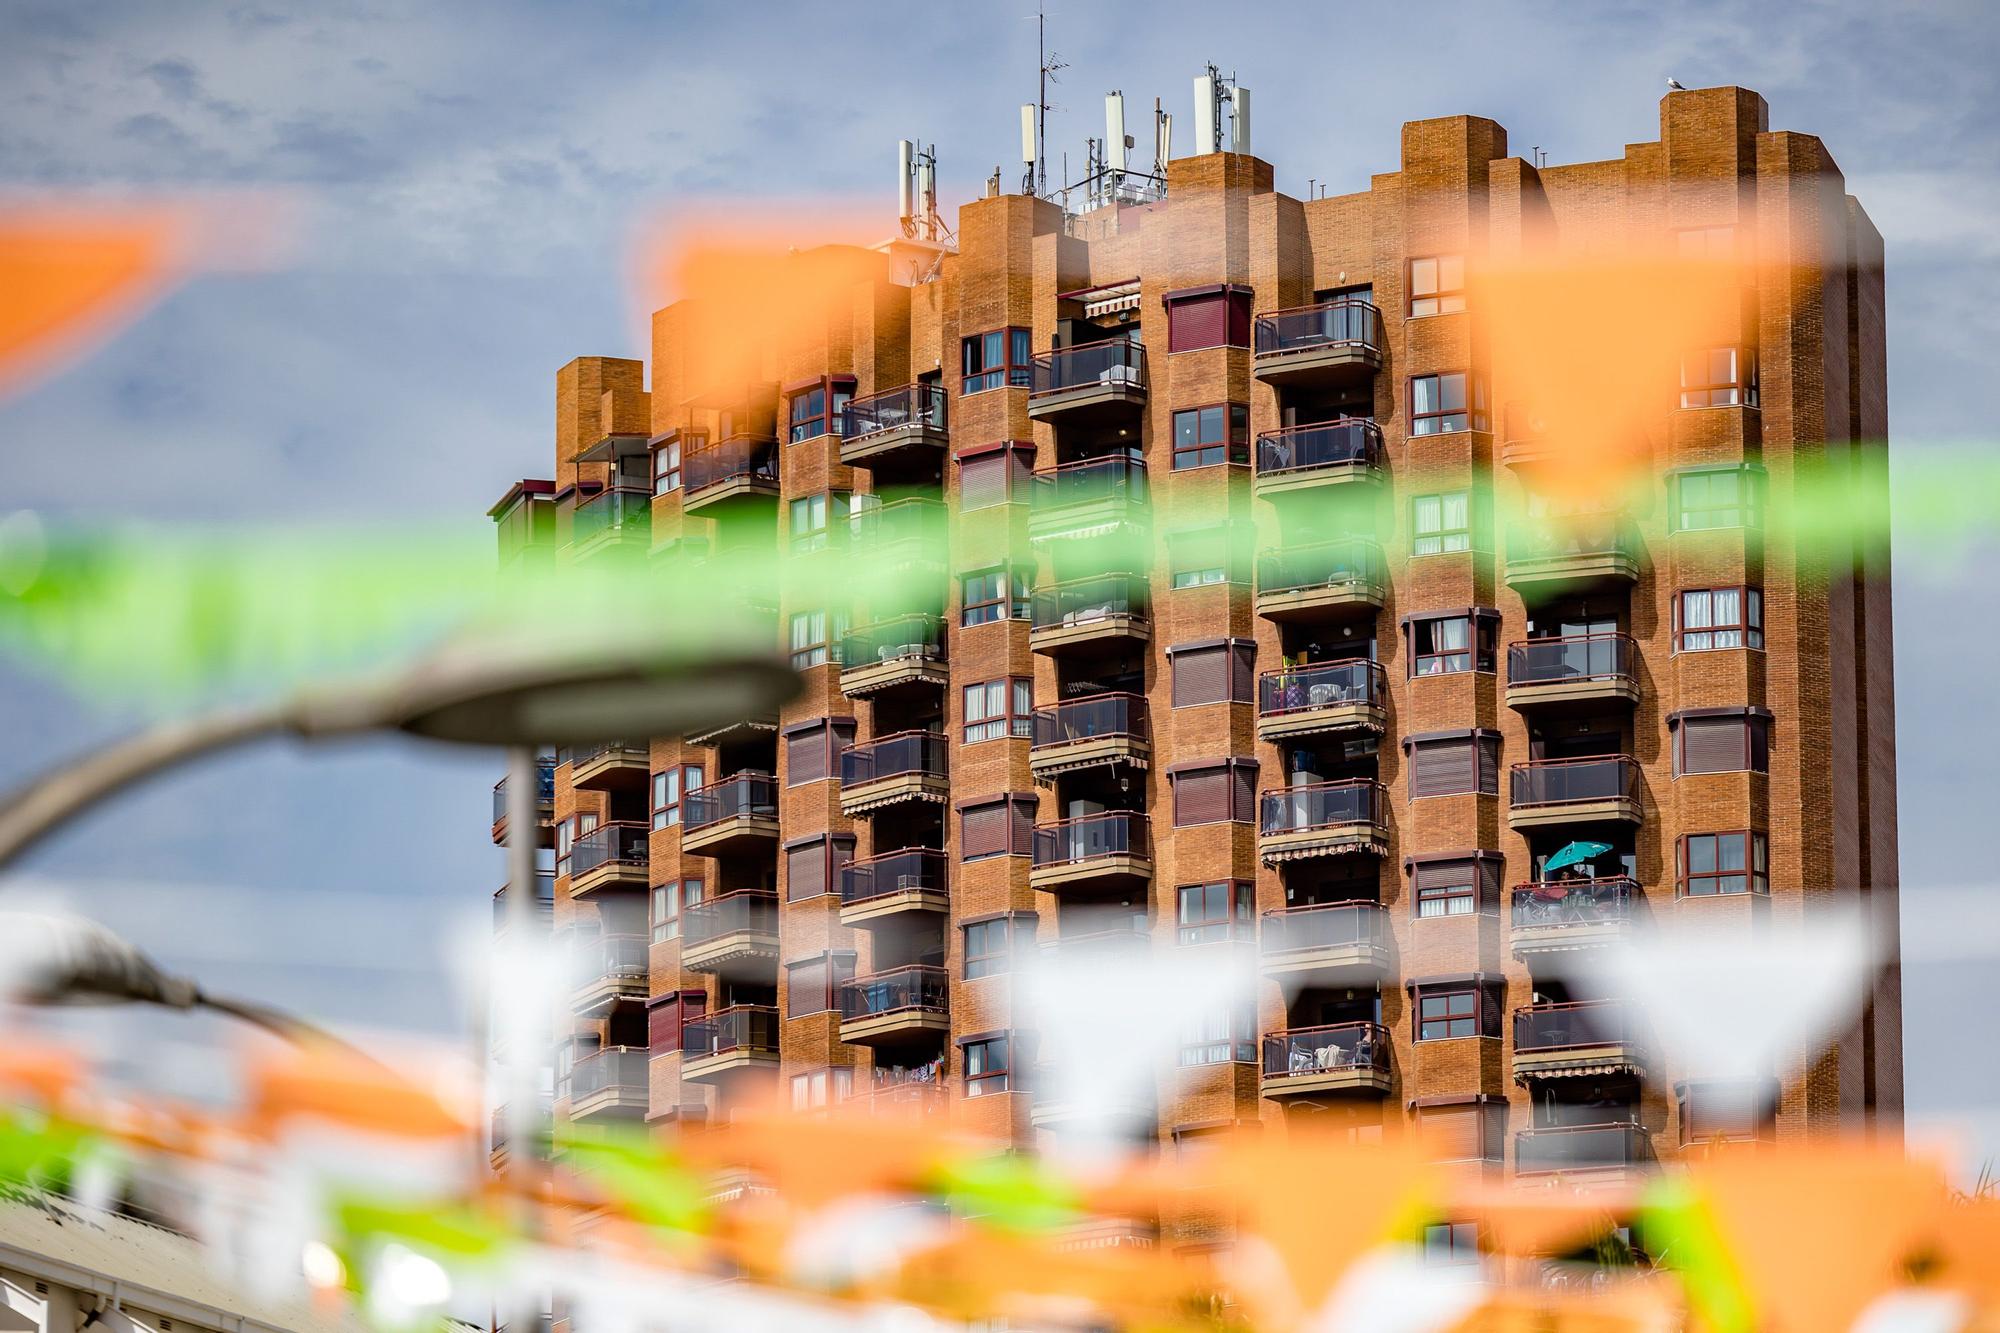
x,y
462,182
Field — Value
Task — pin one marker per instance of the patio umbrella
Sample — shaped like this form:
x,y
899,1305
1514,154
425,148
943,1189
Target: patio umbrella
x,y
1575,854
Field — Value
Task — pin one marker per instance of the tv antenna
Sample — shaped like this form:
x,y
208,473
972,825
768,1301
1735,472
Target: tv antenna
x,y
1047,62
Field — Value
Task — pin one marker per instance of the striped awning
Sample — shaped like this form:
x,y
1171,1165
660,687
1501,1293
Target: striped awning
x,y
1109,299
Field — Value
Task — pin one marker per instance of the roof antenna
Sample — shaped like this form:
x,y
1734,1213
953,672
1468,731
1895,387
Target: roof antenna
x,y
1047,62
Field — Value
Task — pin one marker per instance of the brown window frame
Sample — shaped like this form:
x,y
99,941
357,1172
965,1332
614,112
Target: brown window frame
x,y
836,851
674,895
1014,724
1235,302
1016,460
1015,601
1440,299
1481,888
1232,449
667,465
1484,1013
1481,651
1016,341
1237,922
1009,801
1739,390
1451,1254
1189,545
999,961
839,1086
1756,740
832,743
686,778
819,652
1228,767
1239,672
1482,755
1748,628
990,1080
1471,412
1756,882
687,1005
830,998
1235,1045
827,419
1745,511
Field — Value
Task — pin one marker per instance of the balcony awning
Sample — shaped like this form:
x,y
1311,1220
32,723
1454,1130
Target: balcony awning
x,y
1046,768
1334,844
1110,299
1589,1068
613,447
892,793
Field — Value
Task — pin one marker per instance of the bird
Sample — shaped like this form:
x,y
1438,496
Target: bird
x,y
1674,85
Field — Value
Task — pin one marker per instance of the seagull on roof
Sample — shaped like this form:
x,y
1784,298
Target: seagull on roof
x,y
1674,85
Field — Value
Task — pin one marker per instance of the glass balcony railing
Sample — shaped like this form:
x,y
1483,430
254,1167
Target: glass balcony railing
x,y
747,911
1351,562
595,958
1083,601
892,409
1110,477
619,1069
751,1028
754,794
1551,782
1326,1050
584,754
1571,659
914,987
914,869
1558,536
1356,680
545,789
1094,717
1326,926
620,843
1561,1027
1351,440
1090,838
904,754
627,510
751,458
914,636
1327,324
1575,902
545,900
1119,361
873,527
1581,1148
1320,805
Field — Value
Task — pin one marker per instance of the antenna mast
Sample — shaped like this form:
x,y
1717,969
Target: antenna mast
x,y
1047,62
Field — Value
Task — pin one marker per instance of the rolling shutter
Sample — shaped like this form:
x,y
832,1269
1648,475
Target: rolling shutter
x,y
805,756
840,851
1201,676
982,481
1714,744
1723,1110
1021,827
1201,796
1441,767
1462,1133
1446,874
1242,672
982,830
1489,885
1239,319
1197,321
807,987
805,870
663,1025
1489,765
1243,792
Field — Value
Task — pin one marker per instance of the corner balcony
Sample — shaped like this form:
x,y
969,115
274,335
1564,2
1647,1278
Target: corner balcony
x,y
1586,1038
1564,915
545,902
896,1007
610,856
611,766
609,1084
1106,611
1323,819
1340,1057
884,889
1572,672
908,766
607,970
908,650
901,1101
1100,852
729,1042
614,516
1319,582
900,534
1092,497
1330,345
1619,1149
737,814
1082,733
895,424
735,935
1098,384
1556,555
1322,699
725,475
1327,944
1553,792
736,730
545,799
1307,458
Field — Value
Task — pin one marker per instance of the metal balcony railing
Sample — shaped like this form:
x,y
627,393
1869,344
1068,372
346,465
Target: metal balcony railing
x,y
911,636
1109,477
892,409
623,509
1571,659
747,911
1560,1027
1351,562
1354,680
1082,601
545,789
742,1027
1093,717
1329,444
1327,1049
913,987
545,899
1548,782
905,753
738,458
621,842
1581,1148
1090,838
1320,805
914,869
1555,536
584,754
596,958
873,526
1118,361
1328,323
1326,926
741,794
1576,902
614,1068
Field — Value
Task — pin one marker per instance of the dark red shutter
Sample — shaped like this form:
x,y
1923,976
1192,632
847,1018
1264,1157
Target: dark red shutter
x,y
1201,676
805,870
982,830
1201,796
1196,322
1714,744
1239,319
1242,672
663,1025
1243,792
1021,827
805,756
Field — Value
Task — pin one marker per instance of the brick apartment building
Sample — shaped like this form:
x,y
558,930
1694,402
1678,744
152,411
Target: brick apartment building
x,y
1341,725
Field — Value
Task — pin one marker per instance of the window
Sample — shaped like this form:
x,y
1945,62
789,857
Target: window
x,y
990,945
1719,377
1215,792
1454,763
997,708
995,594
669,785
670,900
1205,436
1224,910
811,749
1437,285
812,985
995,476
811,515
1726,1109
565,839
667,466
1464,641
993,360
1441,523
1712,864
986,1066
1706,618
1456,885
1469,1008
1448,1243
1004,826
1438,403
1733,740
1213,673
1201,317
1707,242
813,865
1718,498
811,645
1219,1037
1465,1132
667,1017
1205,556
816,410
822,1087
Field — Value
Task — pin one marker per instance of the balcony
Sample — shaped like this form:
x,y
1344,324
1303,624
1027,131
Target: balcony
x,y
1306,458
1618,1147
901,1005
1102,851
609,1084
606,970
1096,729
545,798
908,650
740,1039
908,766
1551,792
545,901
1340,1057
728,474
1097,384
1331,345
1094,613
1589,1037
611,766
1322,819
904,421
1574,671
1322,698
1560,554
1327,944
898,534
614,516
610,856
884,887
737,730
1089,498
733,935
737,814
1563,915
1304,583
